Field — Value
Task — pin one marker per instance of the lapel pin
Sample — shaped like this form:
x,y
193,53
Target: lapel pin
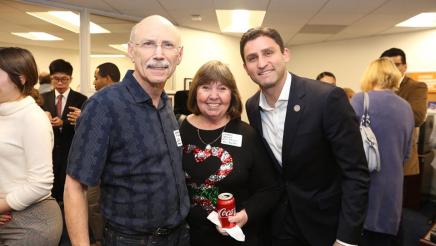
x,y
297,108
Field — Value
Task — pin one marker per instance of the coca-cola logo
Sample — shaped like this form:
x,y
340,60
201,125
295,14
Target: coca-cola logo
x,y
226,213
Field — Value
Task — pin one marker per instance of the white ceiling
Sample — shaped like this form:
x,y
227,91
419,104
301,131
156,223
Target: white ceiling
x,y
299,21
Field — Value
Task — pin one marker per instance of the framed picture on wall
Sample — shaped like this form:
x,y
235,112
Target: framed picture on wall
x,y
170,95
187,83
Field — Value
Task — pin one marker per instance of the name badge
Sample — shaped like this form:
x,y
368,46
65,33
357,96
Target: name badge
x,y
231,139
178,138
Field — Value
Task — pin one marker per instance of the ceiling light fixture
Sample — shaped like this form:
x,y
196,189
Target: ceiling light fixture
x,y
67,20
421,20
121,47
42,36
239,20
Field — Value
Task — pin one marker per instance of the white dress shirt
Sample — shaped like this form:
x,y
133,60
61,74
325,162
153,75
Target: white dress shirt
x,y
273,124
273,119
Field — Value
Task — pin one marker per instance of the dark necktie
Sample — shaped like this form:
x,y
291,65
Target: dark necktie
x,y
59,106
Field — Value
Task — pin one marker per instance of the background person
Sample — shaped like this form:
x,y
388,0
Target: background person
x,y
242,168
327,77
415,93
350,93
106,74
310,130
392,123
28,214
63,104
134,151
44,82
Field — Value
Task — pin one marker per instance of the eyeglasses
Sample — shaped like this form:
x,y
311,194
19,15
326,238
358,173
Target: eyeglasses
x,y
166,46
397,64
61,79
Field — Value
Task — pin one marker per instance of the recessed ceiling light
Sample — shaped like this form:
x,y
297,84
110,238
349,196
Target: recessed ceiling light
x,y
67,20
107,56
43,36
239,20
122,47
421,20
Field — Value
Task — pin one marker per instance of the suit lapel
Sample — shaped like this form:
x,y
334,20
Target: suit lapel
x,y
295,109
51,104
257,122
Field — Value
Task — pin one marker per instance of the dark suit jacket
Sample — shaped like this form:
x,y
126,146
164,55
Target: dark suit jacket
x,y
415,93
62,138
324,171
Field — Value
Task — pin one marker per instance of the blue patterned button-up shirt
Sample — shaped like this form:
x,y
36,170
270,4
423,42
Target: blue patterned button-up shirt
x,y
128,144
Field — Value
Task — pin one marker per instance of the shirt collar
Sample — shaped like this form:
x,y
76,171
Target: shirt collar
x,y
138,93
65,94
284,94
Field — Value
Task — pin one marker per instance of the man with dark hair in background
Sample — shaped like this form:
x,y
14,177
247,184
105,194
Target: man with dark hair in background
x,y
61,102
106,74
415,93
327,77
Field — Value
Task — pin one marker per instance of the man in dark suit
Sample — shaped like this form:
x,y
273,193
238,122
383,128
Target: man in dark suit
x,y
415,93
64,105
311,131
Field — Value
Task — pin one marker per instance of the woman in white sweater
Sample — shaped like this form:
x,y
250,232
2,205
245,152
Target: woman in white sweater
x,y
28,214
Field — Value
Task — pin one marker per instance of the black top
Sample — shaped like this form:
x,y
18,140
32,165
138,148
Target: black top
x,y
122,139
245,171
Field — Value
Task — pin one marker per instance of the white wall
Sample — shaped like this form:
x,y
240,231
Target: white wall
x,y
346,59
349,58
201,47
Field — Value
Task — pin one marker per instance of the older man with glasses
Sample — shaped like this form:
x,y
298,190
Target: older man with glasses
x,y
127,139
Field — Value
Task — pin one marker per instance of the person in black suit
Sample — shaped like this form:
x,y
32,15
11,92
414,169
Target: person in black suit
x,y
62,105
311,131
63,128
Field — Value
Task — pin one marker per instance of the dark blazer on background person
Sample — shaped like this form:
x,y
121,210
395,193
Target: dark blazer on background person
x,y
324,173
62,138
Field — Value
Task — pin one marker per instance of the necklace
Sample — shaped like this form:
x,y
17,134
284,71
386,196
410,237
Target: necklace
x,y
208,145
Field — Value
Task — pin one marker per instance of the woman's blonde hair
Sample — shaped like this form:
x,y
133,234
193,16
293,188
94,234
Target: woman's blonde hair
x,y
381,73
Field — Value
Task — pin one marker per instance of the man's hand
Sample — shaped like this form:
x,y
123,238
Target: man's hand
x,y
57,122
240,219
5,218
73,114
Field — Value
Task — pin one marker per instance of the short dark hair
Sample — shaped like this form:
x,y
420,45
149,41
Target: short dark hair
x,y
392,52
109,69
210,72
44,78
325,73
60,66
254,33
18,62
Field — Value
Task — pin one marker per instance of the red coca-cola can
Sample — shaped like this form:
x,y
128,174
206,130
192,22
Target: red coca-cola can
x,y
226,207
